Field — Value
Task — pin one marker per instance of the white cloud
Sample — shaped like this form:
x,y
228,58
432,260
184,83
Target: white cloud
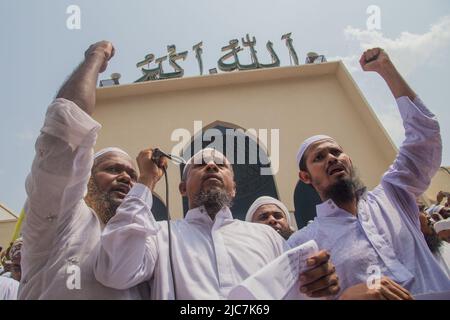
x,y
408,51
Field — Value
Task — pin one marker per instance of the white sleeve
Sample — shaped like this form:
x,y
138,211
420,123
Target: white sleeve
x,y
59,174
129,248
420,154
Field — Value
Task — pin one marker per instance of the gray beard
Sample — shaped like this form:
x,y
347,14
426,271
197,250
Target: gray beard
x,y
214,200
101,202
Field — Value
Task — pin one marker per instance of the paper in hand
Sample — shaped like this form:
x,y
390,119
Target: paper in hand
x,y
279,279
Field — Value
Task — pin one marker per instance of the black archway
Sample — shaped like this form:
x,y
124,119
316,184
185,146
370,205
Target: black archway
x,y
159,209
305,201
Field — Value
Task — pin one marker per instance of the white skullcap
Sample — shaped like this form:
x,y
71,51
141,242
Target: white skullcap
x,y
109,149
307,143
268,200
442,225
203,154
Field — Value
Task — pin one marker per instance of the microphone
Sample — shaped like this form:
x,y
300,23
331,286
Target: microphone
x,y
158,154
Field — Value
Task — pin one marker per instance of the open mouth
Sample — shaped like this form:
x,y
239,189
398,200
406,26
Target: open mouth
x,y
121,190
120,194
336,169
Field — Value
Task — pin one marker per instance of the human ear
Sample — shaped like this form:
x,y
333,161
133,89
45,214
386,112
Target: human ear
x,y
233,192
182,188
304,177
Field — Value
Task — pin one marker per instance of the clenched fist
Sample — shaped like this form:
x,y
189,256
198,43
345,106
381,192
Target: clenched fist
x,y
103,51
150,172
375,60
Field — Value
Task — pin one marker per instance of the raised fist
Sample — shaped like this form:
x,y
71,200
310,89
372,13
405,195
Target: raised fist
x,y
103,50
150,172
375,60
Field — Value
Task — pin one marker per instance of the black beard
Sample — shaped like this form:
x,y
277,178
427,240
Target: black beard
x,y
345,190
286,233
101,202
214,200
433,242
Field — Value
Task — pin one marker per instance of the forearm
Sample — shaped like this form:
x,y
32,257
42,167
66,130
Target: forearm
x,y
399,87
81,85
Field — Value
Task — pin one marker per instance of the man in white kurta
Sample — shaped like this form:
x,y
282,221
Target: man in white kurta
x,y
442,255
211,251
61,233
377,232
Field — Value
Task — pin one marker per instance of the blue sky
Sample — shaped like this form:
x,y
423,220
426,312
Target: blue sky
x,y
39,52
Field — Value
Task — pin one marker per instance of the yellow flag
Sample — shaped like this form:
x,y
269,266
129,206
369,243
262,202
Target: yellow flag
x,y
18,227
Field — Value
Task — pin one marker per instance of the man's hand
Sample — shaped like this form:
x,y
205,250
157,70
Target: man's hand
x,y
150,172
102,52
375,60
321,280
378,61
388,290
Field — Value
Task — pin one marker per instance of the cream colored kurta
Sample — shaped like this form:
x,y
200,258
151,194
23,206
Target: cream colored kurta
x,y
61,233
209,257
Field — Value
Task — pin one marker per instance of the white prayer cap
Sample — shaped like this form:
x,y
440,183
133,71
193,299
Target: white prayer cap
x,y
205,154
307,143
267,200
442,225
109,149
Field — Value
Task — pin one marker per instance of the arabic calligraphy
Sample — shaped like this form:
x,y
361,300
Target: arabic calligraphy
x,y
234,49
230,61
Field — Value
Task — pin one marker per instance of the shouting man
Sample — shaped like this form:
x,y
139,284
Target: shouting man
x,y
377,231
209,253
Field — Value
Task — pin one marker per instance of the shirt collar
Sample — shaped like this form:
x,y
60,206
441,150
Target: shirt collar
x,y
200,214
329,207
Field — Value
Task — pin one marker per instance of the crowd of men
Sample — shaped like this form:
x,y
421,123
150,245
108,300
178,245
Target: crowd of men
x,y
89,231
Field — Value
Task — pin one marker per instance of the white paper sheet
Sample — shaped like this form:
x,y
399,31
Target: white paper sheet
x,y
279,279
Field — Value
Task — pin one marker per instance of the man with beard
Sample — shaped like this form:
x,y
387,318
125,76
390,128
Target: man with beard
x,y
9,286
272,212
438,248
442,228
374,237
62,231
209,253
